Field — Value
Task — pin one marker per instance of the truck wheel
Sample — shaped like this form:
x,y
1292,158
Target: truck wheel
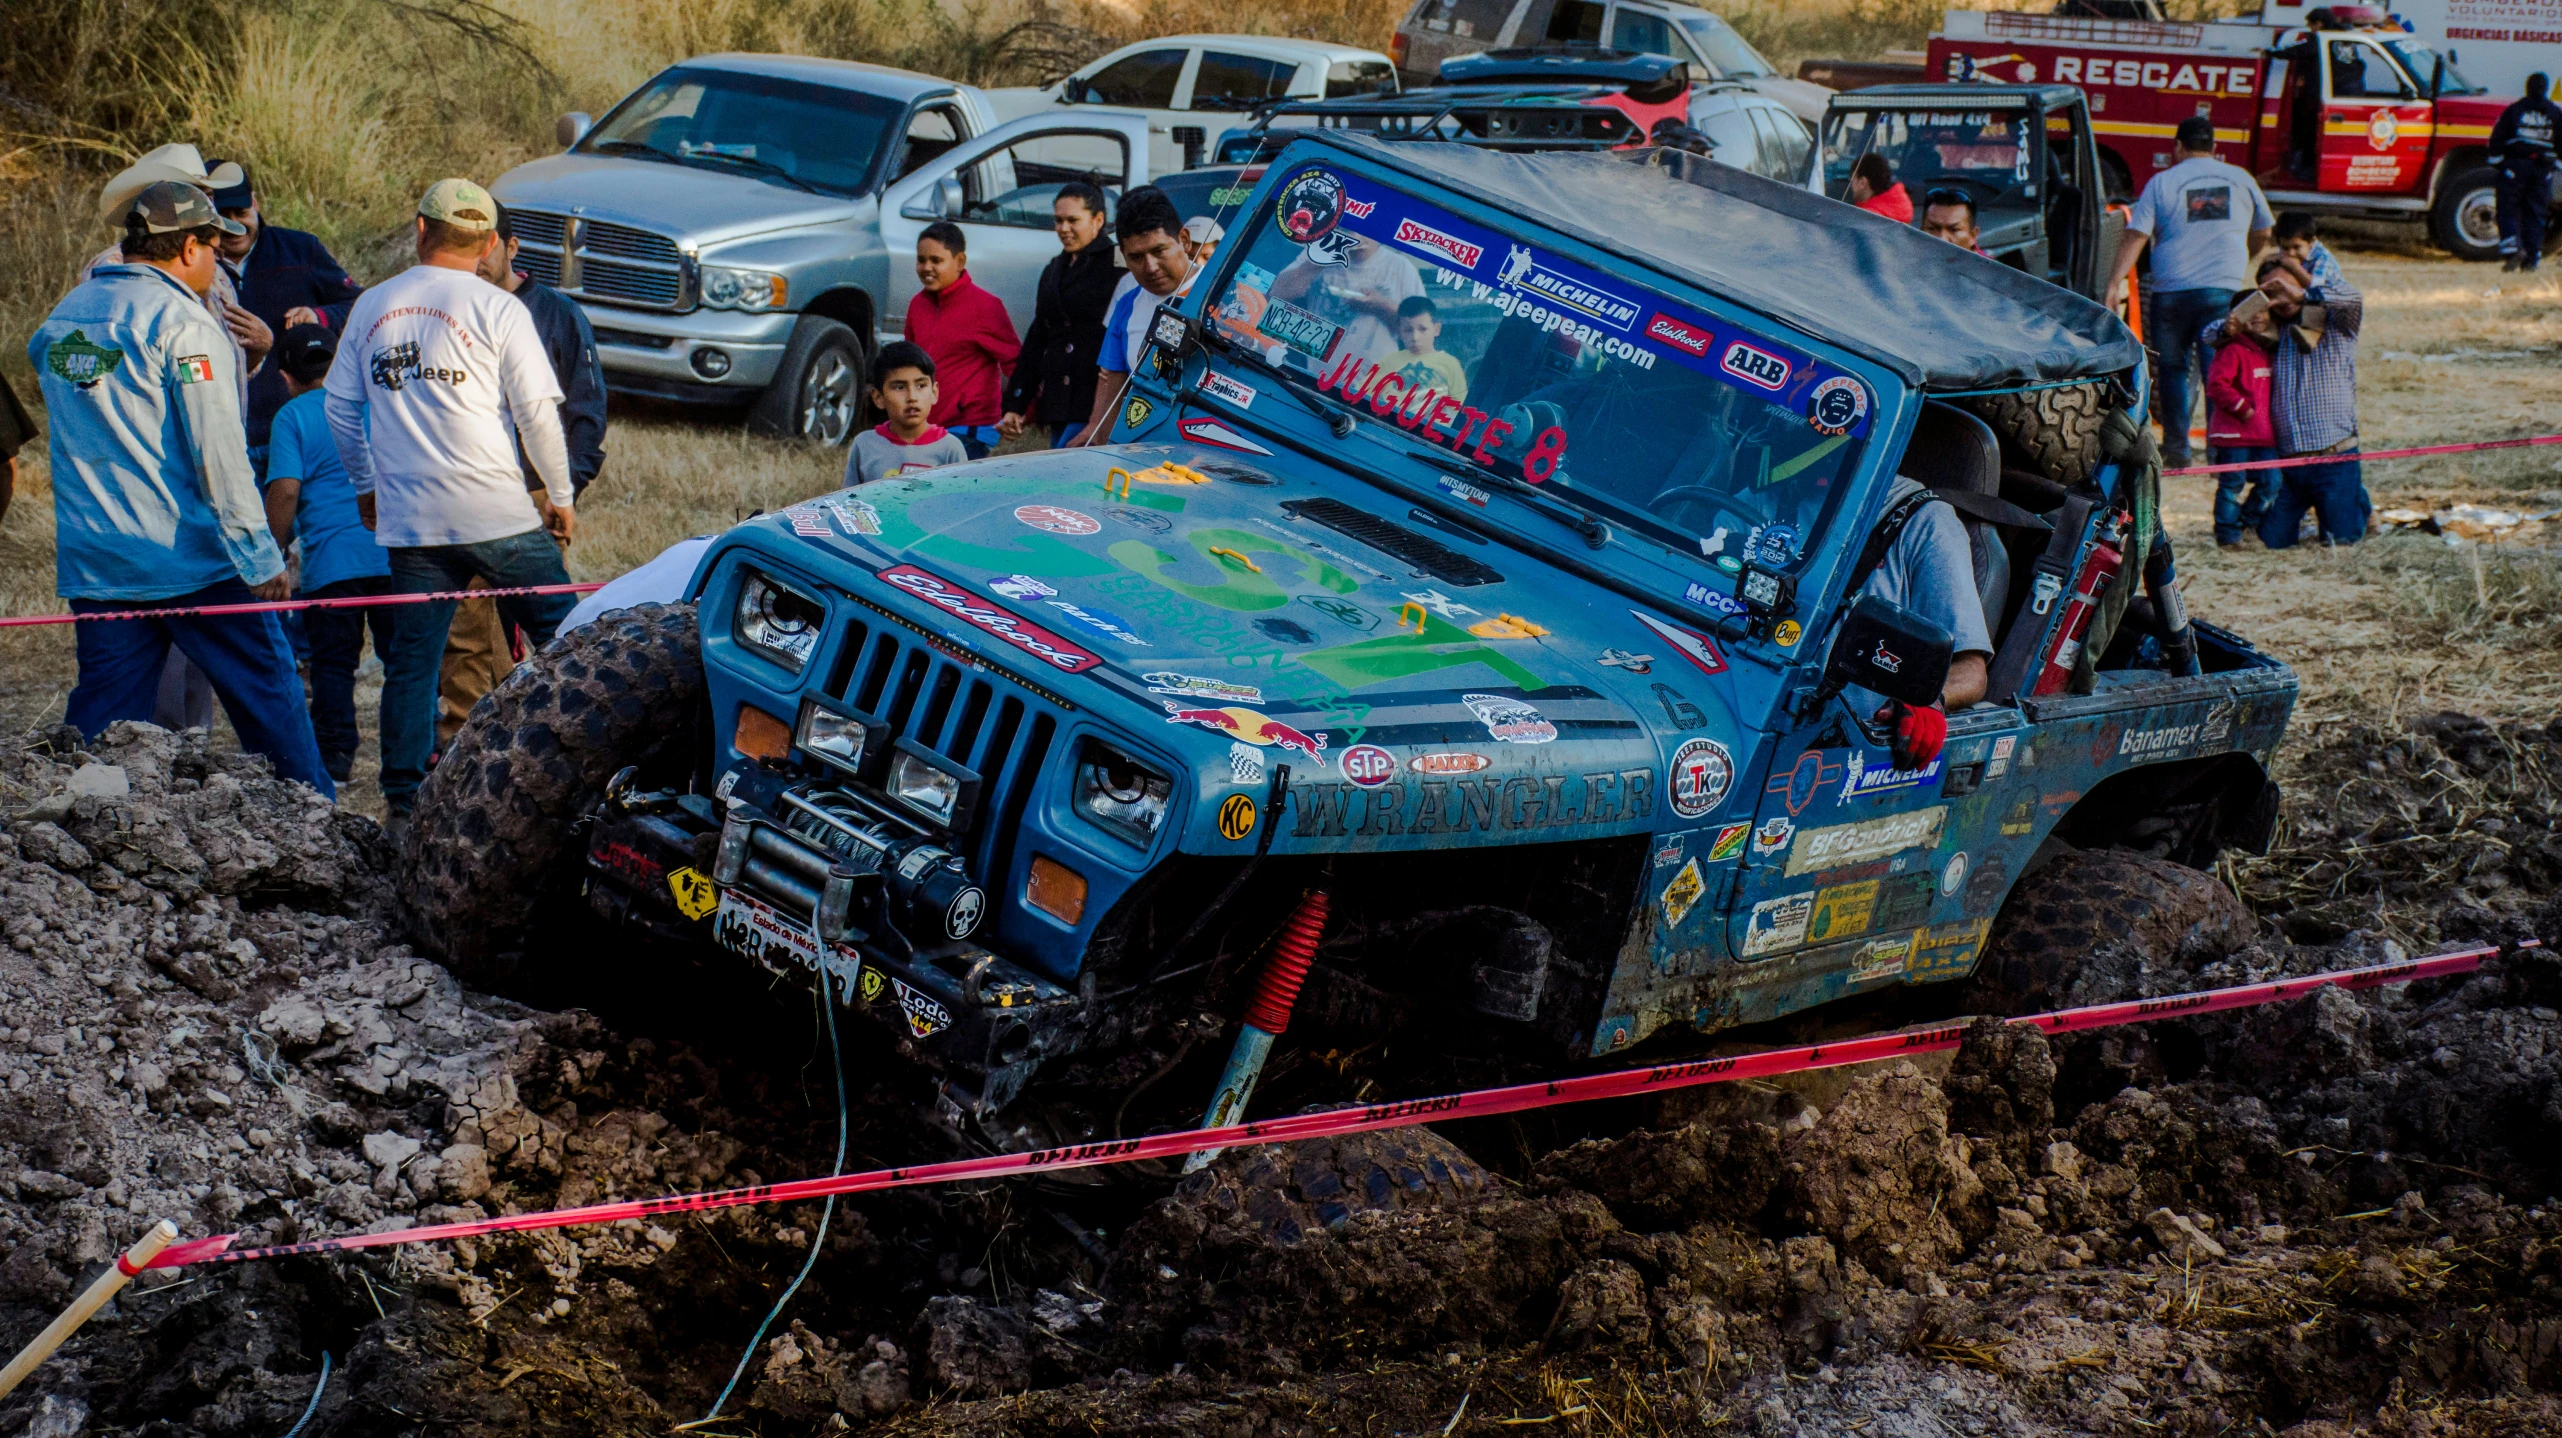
x,y
2053,431
492,832
2465,220
2083,927
1291,1190
816,396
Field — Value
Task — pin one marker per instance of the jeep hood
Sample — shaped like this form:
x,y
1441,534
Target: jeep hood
x,y
697,205
1243,611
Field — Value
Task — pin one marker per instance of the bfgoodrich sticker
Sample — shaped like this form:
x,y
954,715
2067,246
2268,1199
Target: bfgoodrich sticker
x,y
1858,843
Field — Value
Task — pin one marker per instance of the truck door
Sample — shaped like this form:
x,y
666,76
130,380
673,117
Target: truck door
x,y
2375,124
999,188
2285,140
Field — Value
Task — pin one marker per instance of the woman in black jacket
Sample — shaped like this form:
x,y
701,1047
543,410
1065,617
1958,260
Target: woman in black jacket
x,y
1053,384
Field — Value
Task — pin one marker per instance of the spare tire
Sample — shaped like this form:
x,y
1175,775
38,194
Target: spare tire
x,y
492,835
2086,926
2053,431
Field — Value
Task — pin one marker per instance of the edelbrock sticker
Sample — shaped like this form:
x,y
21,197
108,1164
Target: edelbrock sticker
x,y
1831,848
1051,649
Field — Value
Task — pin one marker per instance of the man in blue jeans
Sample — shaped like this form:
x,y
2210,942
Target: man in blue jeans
x,y
154,506
438,377
2202,219
2313,392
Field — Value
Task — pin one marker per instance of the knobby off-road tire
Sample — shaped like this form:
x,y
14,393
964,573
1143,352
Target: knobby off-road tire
x,y
2053,431
1291,1190
2083,928
492,832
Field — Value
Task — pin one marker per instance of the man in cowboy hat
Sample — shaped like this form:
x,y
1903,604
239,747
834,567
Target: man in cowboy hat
x,y
154,506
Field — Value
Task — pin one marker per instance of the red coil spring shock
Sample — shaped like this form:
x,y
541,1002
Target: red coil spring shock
x,y
1296,948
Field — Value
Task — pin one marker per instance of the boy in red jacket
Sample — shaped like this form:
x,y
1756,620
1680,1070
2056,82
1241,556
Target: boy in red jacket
x,y
969,334
2240,428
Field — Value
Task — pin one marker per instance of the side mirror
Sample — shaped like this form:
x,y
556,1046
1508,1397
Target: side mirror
x,y
949,198
2437,77
571,128
1071,91
1889,649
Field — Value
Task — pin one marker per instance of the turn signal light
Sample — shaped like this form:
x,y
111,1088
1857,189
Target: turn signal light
x,y
761,736
1056,890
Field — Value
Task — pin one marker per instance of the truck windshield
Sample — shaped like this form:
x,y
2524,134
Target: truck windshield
x,y
814,136
2421,60
1734,58
1522,363
1987,152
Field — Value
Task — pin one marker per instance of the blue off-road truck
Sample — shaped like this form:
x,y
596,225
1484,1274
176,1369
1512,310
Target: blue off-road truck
x,y
1512,622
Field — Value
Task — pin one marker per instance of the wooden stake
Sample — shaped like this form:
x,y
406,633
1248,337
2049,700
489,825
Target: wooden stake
x,y
109,1284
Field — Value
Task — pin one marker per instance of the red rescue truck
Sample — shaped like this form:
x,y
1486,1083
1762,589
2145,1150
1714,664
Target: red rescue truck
x,y
2349,116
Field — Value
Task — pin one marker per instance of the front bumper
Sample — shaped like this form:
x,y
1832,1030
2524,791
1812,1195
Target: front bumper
x,y
659,349
743,882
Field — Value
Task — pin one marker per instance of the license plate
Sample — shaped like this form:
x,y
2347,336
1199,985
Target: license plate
x,y
756,930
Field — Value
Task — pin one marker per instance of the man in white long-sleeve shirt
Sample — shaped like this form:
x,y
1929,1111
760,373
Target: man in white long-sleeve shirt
x,y
438,375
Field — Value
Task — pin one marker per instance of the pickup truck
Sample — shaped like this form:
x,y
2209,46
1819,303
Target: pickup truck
x,y
1193,86
740,228
2027,153
1515,691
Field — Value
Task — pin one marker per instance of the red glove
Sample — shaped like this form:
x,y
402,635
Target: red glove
x,y
1919,733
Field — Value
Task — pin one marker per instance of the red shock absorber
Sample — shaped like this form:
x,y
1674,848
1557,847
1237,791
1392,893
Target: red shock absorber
x,y
1292,952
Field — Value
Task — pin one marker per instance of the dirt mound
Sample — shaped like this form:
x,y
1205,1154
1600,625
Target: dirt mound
x,y
2306,1219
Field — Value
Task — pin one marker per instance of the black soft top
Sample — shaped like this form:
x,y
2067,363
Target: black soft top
x,y
1944,319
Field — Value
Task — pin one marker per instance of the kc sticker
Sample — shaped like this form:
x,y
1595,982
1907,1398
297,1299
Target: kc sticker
x,y
1236,816
1056,520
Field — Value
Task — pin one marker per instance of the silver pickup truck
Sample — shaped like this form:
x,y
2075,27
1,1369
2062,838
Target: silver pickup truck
x,y
741,228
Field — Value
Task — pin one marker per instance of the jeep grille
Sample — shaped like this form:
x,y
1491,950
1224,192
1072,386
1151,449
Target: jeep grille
x,y
593,260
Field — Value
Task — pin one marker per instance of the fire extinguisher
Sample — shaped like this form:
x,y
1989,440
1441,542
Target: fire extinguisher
x,y
2098,572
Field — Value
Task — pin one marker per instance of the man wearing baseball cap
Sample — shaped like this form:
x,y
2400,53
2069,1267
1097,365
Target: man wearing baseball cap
x,y
154,505
285,278
437,378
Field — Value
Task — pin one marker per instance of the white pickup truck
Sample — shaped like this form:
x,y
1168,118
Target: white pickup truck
x,y
741,229
1191,87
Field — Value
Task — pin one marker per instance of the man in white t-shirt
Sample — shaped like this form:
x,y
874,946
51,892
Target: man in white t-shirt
x,y
2203,220
438,376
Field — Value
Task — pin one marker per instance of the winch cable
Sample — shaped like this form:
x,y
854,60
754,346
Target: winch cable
x,y
825,990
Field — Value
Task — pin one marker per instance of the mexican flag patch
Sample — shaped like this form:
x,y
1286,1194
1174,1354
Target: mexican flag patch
x,y
195,369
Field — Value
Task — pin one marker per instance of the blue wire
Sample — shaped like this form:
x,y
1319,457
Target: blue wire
x,y
826,1003
317,1389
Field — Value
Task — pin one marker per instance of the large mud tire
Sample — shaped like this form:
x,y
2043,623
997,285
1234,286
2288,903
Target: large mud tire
x,y
2053,431
2089,925
1291,1190
492,833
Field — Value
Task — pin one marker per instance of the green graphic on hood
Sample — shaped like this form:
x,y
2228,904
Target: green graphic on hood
x,y
1245,588
1439,644
1025,550
74,358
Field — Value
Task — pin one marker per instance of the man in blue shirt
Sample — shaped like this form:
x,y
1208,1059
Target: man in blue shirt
x,y
153,502
285,278
2313,397
311,501
2203,220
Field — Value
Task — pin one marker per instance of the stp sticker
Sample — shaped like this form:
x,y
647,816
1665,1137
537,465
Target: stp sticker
x,y
1368,765
1755,366
1219,386
1056,520
1701,772
1310,205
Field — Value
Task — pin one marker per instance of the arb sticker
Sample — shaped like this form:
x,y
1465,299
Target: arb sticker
x,y
1756,366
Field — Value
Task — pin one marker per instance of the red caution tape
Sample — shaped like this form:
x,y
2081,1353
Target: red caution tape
x,y
1365,1119
2302,460
279,606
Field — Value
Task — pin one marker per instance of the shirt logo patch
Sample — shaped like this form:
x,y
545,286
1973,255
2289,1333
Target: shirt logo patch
x,y
76,360
194,369
2209,203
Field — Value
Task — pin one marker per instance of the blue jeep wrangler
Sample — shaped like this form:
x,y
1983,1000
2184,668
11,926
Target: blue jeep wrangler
x,y
1517,634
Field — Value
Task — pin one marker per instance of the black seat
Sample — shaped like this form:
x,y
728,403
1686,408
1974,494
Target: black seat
x,y
1955,454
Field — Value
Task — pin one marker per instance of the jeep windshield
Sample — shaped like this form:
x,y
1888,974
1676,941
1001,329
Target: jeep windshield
x,y
1522,363
1987,153
785,131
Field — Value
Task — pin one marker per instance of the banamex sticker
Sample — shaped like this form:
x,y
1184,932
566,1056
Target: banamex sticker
x,y
1701,772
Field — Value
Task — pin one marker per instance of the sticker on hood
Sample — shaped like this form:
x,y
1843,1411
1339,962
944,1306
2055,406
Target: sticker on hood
x,y
1051,649
1508,720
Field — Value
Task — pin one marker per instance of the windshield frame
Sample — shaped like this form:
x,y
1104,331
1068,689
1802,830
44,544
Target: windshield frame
x,y
1708,34
1676,553
894,116
2033,141
2453,79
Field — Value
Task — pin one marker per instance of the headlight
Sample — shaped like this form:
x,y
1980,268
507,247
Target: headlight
x,y
778,622
1117,792
931,786
751,290
835,738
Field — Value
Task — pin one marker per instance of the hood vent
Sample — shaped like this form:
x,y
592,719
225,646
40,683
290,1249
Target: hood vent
x,y
1429,555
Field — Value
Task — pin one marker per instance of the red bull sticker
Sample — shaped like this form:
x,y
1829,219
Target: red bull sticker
x,y
1251,725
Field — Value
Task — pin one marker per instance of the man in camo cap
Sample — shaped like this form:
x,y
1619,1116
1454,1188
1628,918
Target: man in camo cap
x,y
154,504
